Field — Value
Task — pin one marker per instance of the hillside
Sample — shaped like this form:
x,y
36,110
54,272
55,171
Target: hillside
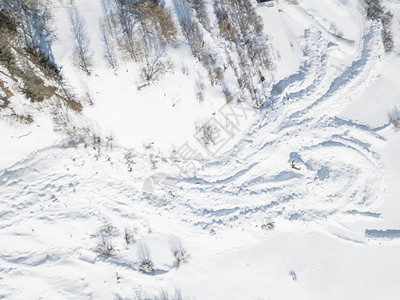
x,y
182,149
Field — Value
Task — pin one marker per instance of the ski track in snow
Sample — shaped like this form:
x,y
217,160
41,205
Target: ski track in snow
x,y
347,174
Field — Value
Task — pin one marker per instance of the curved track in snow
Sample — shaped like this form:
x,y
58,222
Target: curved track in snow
x,y
340,172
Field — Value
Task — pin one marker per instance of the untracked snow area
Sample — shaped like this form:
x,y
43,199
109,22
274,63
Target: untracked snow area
x,y
253,226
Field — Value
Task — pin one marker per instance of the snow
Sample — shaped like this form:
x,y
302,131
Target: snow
x,y
336,226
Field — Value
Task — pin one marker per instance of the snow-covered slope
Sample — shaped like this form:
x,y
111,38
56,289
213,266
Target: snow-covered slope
x,y
255,227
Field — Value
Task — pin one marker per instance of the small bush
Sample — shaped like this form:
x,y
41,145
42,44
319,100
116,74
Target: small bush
x,y
268,226
208,133
104,248
109,229
199,89
293,275
228,95
394,118
180,254
146,265
129,237
226,29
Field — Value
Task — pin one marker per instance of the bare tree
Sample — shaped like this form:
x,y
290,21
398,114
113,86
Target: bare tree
x,y
192,33
28,24
157,19
34,19
201,12
154,63
109,49
110,20
240,25
82,55
124,11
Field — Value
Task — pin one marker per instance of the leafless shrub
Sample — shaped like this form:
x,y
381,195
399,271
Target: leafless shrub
x,y
208,132
109,229
153,162
394,118
199,88
293,275
129,157
226,29
104,248
146,265
228,95
129,236
268,226
179,252
218,75
185,69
